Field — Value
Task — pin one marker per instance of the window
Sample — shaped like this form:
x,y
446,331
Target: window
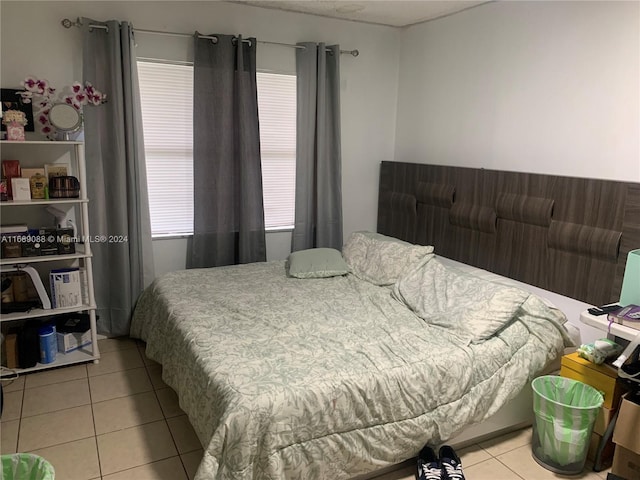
x,y
277,116
166,92
166,95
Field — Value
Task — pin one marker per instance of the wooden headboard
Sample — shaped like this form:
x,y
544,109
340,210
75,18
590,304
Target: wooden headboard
x,y
563,234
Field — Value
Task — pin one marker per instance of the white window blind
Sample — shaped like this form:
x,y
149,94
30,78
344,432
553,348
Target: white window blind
x,y
277,116
166,92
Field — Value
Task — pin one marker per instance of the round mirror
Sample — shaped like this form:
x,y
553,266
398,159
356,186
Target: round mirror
x,y
65,118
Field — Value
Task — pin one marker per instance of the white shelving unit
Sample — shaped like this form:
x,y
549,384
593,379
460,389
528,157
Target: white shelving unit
x,y
36,154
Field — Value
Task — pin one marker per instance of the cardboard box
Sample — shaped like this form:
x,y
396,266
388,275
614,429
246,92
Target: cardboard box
x,y
65,241
627,431
65,288
48,244
11,245
73,331
605,415
11,349
68,342
31,244
601,377
626,464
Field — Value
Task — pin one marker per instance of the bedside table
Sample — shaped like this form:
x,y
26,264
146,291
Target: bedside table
x,y
601,322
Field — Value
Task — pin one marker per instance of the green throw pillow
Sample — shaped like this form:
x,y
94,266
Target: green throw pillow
x,y
316,263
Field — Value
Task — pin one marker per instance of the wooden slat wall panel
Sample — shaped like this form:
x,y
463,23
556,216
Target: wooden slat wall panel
x,y
524,204
521,252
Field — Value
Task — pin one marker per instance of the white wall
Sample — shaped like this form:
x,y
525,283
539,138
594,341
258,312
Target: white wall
x,y
34,43
543,87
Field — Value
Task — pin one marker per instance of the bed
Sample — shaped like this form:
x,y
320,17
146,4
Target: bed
x,y
338,376
342,375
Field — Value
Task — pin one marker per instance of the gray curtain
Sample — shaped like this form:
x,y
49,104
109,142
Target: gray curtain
x,y
228,209
318,214
116,175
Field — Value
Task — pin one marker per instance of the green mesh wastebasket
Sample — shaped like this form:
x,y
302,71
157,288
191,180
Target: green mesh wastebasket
x,y
565,412
25,466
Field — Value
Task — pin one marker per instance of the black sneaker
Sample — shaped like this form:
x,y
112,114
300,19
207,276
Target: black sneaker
x,y
451,465
428,465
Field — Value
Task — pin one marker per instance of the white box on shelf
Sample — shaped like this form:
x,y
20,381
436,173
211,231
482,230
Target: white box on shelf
x,y
66,290
84,286
68,342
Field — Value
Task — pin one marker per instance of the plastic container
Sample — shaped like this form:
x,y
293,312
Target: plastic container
x,y
26,466
48,344
565,412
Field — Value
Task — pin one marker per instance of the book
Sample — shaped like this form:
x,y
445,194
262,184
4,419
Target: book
x,y
66,290
20,188
10,169
628,316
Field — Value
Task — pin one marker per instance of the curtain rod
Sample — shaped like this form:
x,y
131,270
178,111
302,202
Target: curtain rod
x,y
66,23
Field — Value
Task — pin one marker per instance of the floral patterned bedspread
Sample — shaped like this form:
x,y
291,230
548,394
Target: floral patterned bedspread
x,y
323,378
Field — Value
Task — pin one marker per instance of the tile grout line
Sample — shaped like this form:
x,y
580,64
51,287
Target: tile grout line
x,y
24,390
20,417
95,434
495,457
138,466
152,366
92,415
510,469
146,368
59,409
135,426
86,378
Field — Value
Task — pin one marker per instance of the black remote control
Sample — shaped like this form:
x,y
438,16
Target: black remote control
x,y
597,311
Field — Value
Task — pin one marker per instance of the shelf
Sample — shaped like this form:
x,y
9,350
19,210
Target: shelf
x,y
50,201
78,356
45,258
601,322
39,312
52,151
41,142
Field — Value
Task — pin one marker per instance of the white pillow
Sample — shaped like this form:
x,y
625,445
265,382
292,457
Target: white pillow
x,y
380,259
474,308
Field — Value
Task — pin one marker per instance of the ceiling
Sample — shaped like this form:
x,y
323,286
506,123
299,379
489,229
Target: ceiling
x,y
394,13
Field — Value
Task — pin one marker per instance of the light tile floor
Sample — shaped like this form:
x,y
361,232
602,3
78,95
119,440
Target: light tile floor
x,y
117,420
